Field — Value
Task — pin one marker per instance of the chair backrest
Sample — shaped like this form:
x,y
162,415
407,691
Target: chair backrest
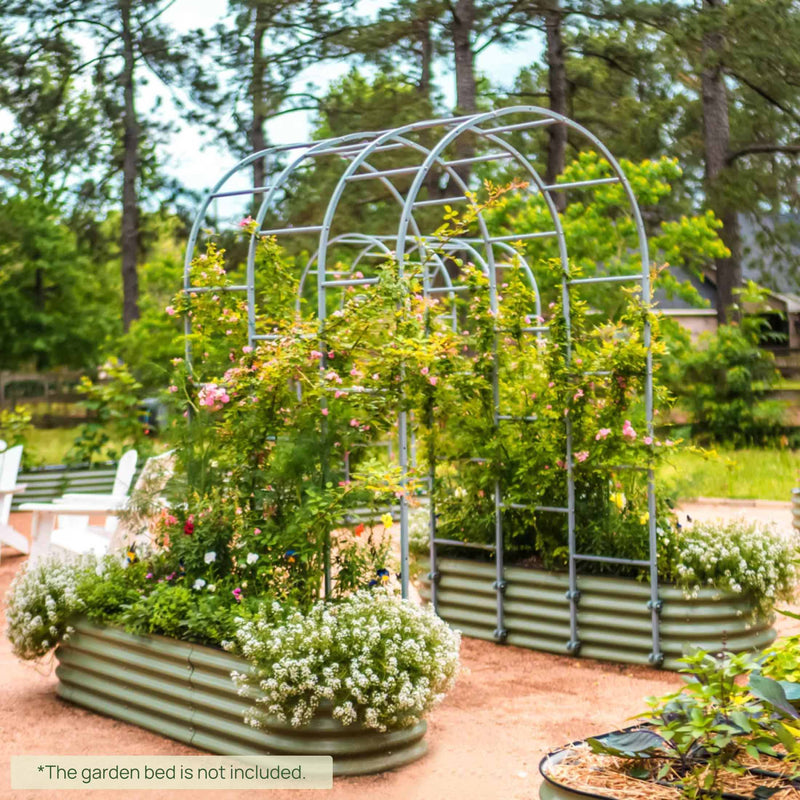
x,y
156,472
126,468
9,468
152,480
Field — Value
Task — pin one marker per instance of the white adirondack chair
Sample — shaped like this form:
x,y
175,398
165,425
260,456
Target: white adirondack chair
x,y
9,468
50,534
126,469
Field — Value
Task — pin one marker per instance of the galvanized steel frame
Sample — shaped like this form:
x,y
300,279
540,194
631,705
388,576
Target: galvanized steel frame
x,y
409,239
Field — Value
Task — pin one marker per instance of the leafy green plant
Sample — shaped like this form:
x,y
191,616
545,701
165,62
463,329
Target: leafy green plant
x,y
704,728
724,378
116,424
16,425
162,610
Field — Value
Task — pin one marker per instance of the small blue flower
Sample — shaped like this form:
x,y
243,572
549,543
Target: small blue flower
x,y
290,556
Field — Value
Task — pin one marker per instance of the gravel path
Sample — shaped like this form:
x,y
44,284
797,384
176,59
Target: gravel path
x,y
509,707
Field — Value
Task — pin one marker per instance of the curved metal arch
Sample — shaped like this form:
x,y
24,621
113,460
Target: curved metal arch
x,y
358,148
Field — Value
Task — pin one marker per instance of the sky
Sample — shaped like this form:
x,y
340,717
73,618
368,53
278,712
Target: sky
x,y
191,156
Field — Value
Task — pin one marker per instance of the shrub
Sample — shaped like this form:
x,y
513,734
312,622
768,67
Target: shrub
x,y
41,602
741,557
723,380
377,660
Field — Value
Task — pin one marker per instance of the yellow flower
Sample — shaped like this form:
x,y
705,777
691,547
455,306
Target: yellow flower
x,y
387,521
644,518
618,499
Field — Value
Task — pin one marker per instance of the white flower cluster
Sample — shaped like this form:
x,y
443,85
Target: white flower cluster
x,y
371,658
740,557
419,529
41,602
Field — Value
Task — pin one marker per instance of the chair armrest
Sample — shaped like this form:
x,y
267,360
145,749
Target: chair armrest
x,y
88,498
75,508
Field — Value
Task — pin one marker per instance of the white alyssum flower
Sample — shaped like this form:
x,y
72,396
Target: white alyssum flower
x,y
42,600
371,659
741,557
252,558
209,557
198,584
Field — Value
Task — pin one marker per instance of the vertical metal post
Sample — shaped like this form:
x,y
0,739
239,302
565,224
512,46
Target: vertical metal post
x,y
403,448
656,657
500,632
434,572
322,314
573,594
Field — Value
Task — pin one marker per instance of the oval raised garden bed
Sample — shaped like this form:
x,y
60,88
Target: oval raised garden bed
x,y
614,620
184,691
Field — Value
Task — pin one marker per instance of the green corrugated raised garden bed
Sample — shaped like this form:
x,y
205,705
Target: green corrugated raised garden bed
x,y
185,691
613,613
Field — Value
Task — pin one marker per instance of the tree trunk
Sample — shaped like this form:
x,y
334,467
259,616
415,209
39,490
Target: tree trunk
x,y
130,167
716,141
463,23
557,90
423,32
466,88
258,139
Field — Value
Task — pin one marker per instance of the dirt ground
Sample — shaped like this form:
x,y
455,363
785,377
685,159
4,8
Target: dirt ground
x,y
508,709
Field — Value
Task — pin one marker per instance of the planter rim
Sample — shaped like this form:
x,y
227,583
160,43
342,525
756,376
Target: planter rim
x,y
560,752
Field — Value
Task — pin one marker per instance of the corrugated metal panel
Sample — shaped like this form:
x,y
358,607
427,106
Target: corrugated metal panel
x,y
185,691
613,617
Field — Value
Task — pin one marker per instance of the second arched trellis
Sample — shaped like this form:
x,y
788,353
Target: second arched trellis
x,y
409,240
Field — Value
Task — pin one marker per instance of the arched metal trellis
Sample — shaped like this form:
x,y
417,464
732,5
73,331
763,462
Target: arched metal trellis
x,y
433,172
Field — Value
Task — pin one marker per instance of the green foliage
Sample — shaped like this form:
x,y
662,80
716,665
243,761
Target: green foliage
x,y
153,340
704,729
16,428
56,305
162,610
723,380
111,588
116,423
782,659
600,229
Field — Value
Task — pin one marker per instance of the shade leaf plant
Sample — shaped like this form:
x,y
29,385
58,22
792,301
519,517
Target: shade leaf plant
x,y
729,719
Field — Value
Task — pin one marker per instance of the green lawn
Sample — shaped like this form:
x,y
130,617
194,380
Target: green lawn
x,y
740,474
50,445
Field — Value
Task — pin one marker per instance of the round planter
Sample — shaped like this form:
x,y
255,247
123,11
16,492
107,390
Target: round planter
x,y
184,691
551,789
